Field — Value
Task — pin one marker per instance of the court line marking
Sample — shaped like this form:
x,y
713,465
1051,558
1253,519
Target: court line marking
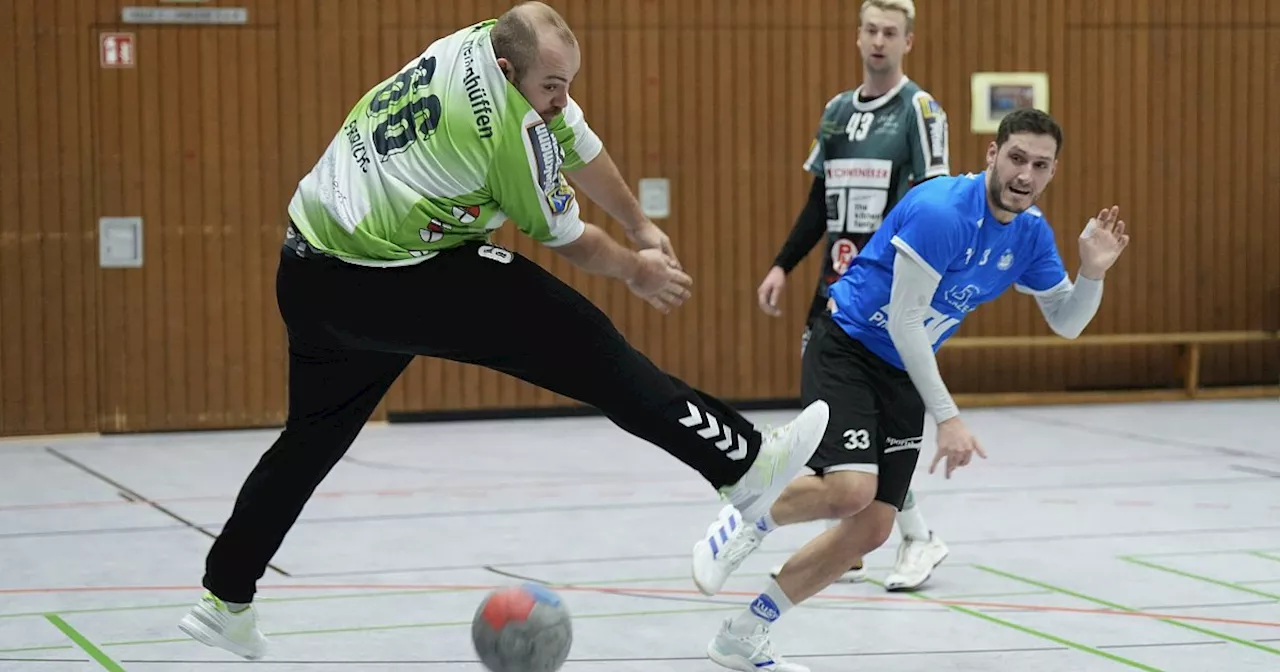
x,y
684,557
1265,555
582,587
1137,437
1181,554
1113,605
812,656
403,593
83,642
737,606
1197,577
120,487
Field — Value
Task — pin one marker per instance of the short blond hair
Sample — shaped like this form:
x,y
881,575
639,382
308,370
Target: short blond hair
x,y
907,7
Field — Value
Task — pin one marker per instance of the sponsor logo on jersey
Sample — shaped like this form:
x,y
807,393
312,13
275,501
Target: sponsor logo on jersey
x,y
477,93
359,151
960,297
547,155
874,173
842,254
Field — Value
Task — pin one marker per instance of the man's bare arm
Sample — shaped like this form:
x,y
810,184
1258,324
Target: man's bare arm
x,y
602,182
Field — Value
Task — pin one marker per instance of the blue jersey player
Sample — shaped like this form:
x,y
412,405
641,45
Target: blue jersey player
x,y
951,245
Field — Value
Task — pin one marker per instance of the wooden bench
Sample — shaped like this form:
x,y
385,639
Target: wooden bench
x,y
1190,344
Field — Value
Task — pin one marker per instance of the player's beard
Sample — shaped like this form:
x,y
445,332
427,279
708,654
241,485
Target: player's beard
x,y
996,186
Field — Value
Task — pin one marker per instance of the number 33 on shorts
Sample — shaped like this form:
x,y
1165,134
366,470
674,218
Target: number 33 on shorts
x,y
857,439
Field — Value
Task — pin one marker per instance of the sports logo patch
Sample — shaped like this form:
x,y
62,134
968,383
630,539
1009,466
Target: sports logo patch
x,y
434,232
1006,260
929,108
560,198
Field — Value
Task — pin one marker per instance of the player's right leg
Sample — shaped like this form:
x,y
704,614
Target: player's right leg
x,y
834,370
489,306
333,388
857,572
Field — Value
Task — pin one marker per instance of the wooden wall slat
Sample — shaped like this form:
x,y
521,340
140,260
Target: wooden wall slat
x,y
30,211
208,136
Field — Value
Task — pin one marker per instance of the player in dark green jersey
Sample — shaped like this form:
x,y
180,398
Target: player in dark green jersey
x,y
872,144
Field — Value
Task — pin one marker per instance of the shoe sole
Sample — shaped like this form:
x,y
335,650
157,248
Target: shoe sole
x,y
731,662
906,588
794,463
196,630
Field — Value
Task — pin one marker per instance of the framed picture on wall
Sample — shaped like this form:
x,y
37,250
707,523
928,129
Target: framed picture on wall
x,y
996,94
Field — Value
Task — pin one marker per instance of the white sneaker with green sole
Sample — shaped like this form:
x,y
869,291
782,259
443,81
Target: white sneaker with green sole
x,y
212,623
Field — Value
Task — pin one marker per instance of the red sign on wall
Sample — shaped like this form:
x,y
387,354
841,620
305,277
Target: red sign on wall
x,y
116,50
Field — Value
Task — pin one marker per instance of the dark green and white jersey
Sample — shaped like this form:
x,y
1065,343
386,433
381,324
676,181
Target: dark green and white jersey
x,y
869,153
440,153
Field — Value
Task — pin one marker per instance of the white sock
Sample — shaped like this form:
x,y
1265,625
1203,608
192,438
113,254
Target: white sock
x,y
911,520
765,525
768,607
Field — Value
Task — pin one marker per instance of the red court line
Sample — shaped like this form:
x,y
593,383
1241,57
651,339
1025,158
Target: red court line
x,y
657,591
483,490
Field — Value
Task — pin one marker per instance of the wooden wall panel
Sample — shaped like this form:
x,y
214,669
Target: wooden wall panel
x,y
187,141
1165,105
47,286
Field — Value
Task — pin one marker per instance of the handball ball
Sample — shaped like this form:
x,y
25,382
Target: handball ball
x,y
522,629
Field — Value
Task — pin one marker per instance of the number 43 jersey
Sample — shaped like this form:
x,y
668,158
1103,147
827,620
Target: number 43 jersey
x,y
869,153
443,152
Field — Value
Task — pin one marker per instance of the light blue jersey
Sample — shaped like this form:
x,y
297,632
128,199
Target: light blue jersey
x,y
945,224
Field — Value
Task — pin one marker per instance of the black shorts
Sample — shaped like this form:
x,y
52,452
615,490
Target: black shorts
x,y
877,416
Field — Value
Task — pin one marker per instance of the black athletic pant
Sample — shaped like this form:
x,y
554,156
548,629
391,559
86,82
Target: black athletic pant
x,y
352,330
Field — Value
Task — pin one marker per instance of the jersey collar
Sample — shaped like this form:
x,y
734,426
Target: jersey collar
x,y
877,103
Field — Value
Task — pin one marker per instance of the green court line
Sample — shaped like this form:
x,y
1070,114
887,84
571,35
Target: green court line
x,y
94,652
1198,577
1120,607
1264,554
1181,554
1033,632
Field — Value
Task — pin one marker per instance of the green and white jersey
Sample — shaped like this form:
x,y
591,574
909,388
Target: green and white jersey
x,y
443,152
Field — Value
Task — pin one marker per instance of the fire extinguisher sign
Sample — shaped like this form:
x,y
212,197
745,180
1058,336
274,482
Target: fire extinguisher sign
x,y
116,50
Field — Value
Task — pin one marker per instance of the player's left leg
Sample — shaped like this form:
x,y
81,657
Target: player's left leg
x,y
920,552
903,426
743,641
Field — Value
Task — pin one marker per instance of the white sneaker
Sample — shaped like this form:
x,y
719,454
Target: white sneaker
x,y
783,454
210,622
916,560
750,653
722,549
